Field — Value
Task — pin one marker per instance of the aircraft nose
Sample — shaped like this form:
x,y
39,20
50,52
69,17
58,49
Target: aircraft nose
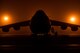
x,y
40,23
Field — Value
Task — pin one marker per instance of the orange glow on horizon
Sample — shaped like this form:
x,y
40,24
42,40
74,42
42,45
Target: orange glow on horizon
x,y
73,20
6,19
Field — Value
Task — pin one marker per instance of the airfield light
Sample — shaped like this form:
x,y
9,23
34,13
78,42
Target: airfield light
x,y
6,18
72,19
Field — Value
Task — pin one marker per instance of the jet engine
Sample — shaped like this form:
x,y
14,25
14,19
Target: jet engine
x,y
5,29
64,27
16,27
74,28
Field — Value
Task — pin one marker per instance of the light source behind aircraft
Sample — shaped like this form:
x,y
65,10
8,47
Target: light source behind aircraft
x,y
40,23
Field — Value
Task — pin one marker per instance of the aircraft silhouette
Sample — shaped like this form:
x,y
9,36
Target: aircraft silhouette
x,y
40,23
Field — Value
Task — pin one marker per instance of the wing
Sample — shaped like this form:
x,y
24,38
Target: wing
x,y
64,25
16,26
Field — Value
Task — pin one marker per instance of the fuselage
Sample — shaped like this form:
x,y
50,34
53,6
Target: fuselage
x,y
40,23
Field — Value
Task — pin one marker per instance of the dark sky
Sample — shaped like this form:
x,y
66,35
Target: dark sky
x,y
56,9
21,10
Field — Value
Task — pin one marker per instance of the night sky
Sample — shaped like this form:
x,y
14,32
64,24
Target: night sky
x,y
21,10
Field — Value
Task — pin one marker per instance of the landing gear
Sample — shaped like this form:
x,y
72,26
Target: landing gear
x,y
53,32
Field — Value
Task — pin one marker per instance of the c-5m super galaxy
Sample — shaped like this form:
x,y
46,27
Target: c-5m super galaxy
x,y
40,23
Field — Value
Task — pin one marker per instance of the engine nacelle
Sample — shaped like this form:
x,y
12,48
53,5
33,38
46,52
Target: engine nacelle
x,y
5,29
16,27
64,27
74,28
